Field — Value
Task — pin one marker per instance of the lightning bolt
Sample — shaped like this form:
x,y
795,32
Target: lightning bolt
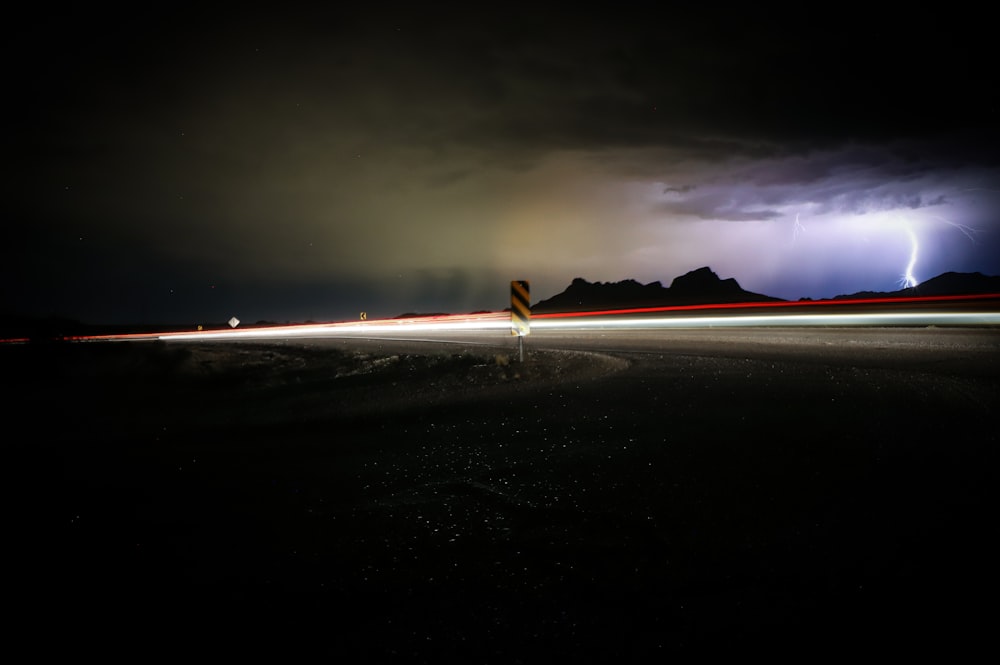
x,y
797,228
968,231
908,280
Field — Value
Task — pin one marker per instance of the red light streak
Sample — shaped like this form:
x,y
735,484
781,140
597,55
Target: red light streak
x,y
757,305
499,320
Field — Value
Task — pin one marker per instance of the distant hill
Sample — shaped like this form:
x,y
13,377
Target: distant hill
x,y
698,287
945,284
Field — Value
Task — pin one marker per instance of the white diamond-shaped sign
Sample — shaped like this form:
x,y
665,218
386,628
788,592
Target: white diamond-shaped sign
x,y
233,322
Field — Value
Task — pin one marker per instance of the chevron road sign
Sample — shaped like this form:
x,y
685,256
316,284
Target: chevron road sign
x,y
520,308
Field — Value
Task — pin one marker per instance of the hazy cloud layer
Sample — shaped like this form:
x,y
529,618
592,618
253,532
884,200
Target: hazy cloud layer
x,y
310,162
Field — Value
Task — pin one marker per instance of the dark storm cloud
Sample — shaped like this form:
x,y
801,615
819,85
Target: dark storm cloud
x,y
717,205
456,144
541,76
853,179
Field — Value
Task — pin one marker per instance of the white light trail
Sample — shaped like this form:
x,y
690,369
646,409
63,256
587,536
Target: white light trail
x,y
499,324
828,319
361,329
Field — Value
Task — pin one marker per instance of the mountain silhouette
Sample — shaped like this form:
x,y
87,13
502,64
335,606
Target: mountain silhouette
x,y
703,287
698,287
945,284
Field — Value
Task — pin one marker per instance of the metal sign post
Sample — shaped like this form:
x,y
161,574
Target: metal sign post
x,y
520,313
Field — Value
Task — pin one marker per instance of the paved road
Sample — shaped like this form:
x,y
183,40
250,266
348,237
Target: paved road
x,y
791,493
970,350
974,351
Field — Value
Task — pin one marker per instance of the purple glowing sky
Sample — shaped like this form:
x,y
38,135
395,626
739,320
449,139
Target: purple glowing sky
x,y
194,165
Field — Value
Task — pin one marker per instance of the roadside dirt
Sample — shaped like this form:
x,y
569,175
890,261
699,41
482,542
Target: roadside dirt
x,y
355,383
118,390
444,503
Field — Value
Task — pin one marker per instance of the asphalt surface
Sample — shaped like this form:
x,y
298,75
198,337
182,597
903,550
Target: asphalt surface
x,y
626,496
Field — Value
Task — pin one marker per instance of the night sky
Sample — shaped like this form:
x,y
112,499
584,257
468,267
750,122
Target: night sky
x,y
178,164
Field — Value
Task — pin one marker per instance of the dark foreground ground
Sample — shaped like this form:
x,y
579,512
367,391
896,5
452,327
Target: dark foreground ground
x,y
344,502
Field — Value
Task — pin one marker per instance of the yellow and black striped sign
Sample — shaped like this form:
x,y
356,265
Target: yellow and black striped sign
x,y
520,308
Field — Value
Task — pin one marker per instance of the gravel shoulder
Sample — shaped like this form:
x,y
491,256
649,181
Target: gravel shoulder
x,y
405,502
257,383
